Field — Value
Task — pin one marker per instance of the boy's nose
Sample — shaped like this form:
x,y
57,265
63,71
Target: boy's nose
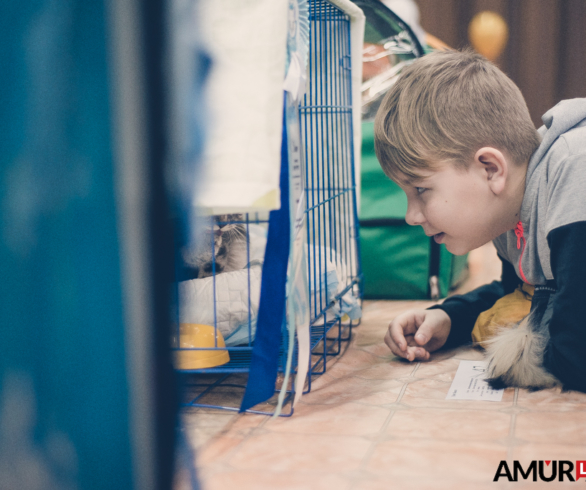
x,y
414,217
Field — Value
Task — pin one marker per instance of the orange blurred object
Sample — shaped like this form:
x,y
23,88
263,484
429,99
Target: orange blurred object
x,y
488,33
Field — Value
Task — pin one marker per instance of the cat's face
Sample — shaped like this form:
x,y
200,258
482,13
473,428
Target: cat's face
x,y
220,240
230,227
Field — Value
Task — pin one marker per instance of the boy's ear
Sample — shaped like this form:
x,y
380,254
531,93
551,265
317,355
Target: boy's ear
x,y
494,166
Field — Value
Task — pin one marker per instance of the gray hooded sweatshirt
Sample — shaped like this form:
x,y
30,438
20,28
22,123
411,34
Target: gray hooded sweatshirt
x,y
555,192
548,247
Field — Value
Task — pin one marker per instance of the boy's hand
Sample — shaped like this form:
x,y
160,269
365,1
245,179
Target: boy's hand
x,y
416,333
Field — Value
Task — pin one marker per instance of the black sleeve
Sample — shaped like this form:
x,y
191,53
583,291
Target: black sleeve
x,y
564,355
464,309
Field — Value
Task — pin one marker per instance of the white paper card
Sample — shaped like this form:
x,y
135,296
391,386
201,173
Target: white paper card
x,y
470,383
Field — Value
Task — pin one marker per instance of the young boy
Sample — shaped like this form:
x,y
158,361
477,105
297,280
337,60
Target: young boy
x,y
455,133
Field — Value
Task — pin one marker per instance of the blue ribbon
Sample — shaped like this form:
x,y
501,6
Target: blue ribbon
x,y
271,314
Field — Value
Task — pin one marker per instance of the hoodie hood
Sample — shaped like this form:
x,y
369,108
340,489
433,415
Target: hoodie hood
x,y
555,182
562,117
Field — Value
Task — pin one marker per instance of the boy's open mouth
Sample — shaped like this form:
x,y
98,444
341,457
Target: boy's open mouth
x,y
438,237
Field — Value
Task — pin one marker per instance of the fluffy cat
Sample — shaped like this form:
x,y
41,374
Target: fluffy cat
x,y
515,355
229,250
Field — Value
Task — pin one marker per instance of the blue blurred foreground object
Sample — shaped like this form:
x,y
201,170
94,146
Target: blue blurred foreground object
x,y
87,394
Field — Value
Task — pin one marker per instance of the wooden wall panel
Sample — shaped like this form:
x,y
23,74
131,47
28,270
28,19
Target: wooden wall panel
x,y
572,73
533,58
546,52
441,19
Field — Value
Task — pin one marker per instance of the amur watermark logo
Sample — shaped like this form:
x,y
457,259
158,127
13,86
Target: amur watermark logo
x,y
543,470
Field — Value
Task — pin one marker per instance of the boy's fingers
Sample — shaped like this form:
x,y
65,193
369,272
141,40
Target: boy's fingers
x,y
393,346
417,354
412,351
397,329
408,335
424,332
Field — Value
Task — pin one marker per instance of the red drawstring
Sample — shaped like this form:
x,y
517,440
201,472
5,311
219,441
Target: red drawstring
x,y
519,235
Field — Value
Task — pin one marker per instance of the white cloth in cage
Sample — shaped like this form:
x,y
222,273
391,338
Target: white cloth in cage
x,y
233,308
196,297
235,317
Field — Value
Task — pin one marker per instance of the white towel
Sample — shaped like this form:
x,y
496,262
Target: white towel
x,y
247,41
235,304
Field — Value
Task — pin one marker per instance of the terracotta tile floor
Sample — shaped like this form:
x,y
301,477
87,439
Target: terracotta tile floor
x,y
374,422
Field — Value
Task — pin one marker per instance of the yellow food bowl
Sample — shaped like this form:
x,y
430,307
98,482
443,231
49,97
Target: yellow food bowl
x,y
195,335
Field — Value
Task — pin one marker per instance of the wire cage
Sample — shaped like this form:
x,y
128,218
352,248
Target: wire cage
x,y
331,226
330,183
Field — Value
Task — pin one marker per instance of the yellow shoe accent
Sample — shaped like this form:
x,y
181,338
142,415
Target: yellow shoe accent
x,y
507,311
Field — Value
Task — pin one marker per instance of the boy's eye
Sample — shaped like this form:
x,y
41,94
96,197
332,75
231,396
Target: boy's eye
x,y
420,190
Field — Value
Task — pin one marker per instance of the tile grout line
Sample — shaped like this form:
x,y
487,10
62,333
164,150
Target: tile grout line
x,y
386,423
414,371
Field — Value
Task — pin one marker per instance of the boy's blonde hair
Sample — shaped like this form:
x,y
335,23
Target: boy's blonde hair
x,y
446,106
